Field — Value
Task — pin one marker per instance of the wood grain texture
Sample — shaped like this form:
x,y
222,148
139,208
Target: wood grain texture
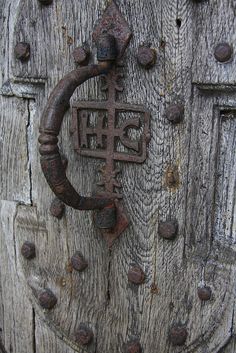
x,y
16,313
201,148
14,154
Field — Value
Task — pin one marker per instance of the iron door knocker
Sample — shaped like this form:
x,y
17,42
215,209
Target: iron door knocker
x,y
112,36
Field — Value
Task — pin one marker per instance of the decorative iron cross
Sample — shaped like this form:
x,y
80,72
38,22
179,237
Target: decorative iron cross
x,y
99,133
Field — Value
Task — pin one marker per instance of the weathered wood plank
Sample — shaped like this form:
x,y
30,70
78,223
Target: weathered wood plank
x,y
214,24
14,153
101,295
16,314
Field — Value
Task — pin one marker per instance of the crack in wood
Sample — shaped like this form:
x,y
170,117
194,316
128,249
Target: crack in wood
x,y
28,146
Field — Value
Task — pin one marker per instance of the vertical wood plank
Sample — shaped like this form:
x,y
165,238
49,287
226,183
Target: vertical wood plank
x,y
16,318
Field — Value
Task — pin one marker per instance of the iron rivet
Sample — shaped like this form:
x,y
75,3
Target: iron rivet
x,y
204,293
81,55
136,275
133,347
175,113
28,250
168,229
146,57
178,335
47,299
22,51
84,335
46,2
78,262
223,52
57,208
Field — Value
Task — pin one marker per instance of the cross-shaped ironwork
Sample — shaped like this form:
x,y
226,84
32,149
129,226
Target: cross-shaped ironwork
x,y
108,132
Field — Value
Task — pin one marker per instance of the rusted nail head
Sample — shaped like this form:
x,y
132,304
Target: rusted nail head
x,y
178,335
133,347
81,55
57,208
146,57
22,51
223,52
46,2
168,229
47,299
28,250
204,293
175,113
78,262
84,335
136,275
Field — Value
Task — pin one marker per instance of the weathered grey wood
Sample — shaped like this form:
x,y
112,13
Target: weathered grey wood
x,y
202,148
16,313
15,164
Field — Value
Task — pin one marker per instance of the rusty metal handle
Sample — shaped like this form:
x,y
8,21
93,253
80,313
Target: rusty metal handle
x,y
52,119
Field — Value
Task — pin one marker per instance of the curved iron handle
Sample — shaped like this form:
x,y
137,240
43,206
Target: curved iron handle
x,y
52,119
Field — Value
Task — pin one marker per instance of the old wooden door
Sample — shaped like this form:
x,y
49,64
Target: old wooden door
x,y
184,297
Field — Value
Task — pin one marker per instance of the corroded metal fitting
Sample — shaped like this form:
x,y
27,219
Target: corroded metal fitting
x,y
223,52
84,335
106,48
106,218
168,229
136,275
22,51
204,293
28,250
78,262
146,57
47,299
81,55
57,208
178,335
175,113
133,347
